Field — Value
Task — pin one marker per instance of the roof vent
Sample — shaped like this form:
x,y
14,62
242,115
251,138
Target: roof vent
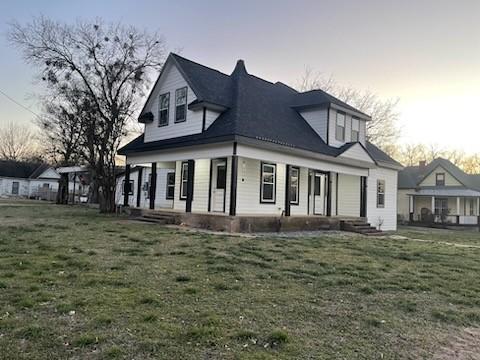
x,y
422,164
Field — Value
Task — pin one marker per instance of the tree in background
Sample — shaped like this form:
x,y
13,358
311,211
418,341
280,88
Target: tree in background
x,y
18,143
108,66
382,130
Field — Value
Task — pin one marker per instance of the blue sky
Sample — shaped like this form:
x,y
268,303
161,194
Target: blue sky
x,y
426,53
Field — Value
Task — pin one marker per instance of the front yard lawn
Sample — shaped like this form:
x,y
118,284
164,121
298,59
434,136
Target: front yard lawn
x,y
75,284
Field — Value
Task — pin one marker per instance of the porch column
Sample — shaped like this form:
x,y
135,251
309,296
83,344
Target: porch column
x,y
411,207
433,207
233,185
126,185
363,196
139,186
190,178
287,190
458,210
153,185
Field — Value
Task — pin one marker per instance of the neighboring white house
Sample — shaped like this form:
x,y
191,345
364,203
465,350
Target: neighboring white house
x,y
27,179
239,145
439,192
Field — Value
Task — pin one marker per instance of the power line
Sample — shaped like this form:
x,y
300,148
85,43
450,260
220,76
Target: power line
x,y
16,102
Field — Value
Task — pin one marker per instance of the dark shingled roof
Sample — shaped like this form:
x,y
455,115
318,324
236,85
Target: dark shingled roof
x,y
21,169
411,176
255,108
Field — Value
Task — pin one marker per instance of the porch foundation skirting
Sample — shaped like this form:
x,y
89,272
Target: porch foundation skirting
x,y
248,224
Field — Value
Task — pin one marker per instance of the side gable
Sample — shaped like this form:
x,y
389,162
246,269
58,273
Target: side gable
x,y
169,81
49,173
430,178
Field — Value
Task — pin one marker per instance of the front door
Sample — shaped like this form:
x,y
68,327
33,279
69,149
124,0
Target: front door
x,y
318,193
219,181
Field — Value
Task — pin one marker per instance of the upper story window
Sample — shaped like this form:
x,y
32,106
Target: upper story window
x,y
181,104
380,193
440,179
268,179
355,129
294,185
163,109
340,127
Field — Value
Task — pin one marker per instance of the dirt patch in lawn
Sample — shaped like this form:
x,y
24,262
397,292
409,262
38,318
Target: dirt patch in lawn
x,y
464,345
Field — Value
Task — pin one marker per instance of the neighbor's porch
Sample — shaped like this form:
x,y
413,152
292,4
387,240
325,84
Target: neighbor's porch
x,y
462,209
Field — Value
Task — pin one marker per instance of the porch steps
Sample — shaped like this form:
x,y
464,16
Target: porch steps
x,y
154,217
360,227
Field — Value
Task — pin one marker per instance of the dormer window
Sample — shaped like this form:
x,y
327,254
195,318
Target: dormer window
x,y
181,104
163,109
355,129
340,127
440,179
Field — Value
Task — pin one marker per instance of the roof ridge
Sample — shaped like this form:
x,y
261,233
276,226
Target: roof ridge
x,y
197,63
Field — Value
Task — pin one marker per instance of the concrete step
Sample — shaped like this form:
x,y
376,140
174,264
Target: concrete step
x,y
150,220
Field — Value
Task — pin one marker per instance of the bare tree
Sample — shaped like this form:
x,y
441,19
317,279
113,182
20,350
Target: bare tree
x,y
109,65
382,130
17,142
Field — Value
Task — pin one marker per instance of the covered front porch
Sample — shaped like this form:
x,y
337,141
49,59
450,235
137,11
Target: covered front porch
x,y
241,181
447,206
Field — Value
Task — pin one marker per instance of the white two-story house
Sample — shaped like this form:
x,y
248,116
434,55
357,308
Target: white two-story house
x,y
237,145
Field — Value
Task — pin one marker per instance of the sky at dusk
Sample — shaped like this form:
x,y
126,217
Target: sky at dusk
x,y
426,53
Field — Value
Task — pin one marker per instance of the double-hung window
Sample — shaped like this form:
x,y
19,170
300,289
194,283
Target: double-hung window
x,y
380,193
340,127
355,129
441,206
170,185
294,185
181,105
163,109
129,189
440,179
268,182
472,206
15,187
183,182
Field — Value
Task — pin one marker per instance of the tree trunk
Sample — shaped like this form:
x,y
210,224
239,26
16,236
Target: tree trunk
x,y
62,194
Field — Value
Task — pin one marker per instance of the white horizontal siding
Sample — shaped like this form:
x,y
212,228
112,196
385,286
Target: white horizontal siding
x,y
317,119
388,214
201,185
210,117
403,206
248,189
170,81
357,152
6,186
348,195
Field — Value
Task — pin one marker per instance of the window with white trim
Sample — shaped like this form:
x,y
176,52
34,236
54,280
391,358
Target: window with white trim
x,y
170,186
440,179
355,129
268,185
340,127
183,181
181,104
441,206
380,193
163,109
472,206
294,185
15,187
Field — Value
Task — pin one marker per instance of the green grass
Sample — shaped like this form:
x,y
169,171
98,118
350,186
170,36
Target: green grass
x,y
74,284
